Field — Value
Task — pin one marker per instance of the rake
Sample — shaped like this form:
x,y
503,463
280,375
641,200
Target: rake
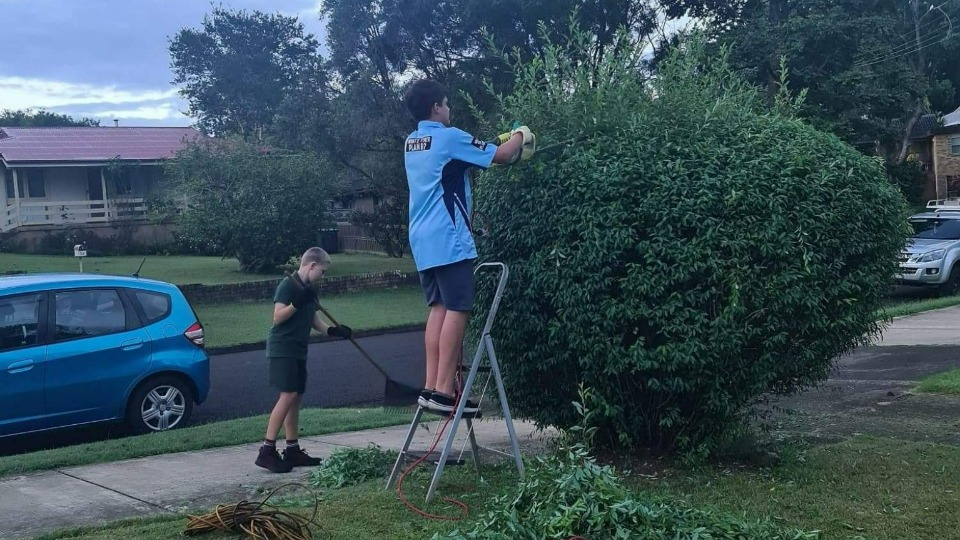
x,y
395,393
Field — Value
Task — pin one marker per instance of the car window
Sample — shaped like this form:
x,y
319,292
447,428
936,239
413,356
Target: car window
x,y
87,313
155,306
936,229
19,317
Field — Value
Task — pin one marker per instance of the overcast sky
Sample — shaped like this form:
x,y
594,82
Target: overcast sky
x,y
107,59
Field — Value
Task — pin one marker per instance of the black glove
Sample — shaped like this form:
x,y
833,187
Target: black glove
x,y
342,331
307,295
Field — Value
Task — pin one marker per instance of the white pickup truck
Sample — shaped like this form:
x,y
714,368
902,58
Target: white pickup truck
x,y
932,256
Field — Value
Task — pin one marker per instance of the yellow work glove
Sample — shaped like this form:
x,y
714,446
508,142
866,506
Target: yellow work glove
x,y
529,142
503,137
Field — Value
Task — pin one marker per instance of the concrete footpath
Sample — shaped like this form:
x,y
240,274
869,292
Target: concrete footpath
x,y
33,504
937,327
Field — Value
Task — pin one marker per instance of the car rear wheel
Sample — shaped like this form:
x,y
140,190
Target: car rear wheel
x,y
160,404
951,287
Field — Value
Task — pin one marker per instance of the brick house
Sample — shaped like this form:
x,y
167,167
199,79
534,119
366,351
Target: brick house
x,y
935,143
945,149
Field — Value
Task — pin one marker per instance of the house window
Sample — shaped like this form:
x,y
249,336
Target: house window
x,y
955,145
953,186
30,184
35,185
8,180
122,178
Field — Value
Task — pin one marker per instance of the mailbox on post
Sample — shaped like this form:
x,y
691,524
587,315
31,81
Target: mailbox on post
x,y
80,251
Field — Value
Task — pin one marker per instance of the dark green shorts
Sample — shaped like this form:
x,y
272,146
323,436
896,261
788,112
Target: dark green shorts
x,y
288,374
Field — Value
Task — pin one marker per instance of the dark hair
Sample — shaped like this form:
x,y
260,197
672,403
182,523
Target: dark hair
x,y
422,96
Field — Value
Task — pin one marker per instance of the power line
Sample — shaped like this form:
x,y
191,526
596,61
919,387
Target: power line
x,y
927,41
912,46
924,44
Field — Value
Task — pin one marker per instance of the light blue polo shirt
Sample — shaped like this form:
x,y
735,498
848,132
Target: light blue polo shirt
x,y
437,159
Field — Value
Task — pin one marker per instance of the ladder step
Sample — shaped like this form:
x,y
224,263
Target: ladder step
x,y
434,458
465,416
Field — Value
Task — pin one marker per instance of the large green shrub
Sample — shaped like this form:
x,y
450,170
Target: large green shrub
x,y
690,251
259,207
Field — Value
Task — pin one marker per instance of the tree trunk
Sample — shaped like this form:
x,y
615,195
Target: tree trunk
x,y
918,110
905,141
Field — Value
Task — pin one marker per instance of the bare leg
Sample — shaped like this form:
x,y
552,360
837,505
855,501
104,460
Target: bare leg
x,y
451,345
432,341
279,414
291,425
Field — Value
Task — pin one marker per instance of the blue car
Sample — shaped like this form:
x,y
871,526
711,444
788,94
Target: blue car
x,y
79,349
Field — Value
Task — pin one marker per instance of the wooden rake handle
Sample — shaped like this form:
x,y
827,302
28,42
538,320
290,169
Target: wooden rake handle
x,y
355,344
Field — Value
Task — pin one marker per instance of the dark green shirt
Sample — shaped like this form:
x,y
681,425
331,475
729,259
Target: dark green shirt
x,y
290,338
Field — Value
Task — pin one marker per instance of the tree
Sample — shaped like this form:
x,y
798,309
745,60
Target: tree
x,y
245,202
684,250
377,46
41,118
237,70
871,68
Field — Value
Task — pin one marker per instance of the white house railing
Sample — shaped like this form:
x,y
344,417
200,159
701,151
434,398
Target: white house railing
x,y
8,218
67,212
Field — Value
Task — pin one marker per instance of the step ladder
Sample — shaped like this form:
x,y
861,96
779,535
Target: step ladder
x,y
484,349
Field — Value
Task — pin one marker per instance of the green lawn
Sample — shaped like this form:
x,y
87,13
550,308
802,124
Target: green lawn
x,y
869,488
918,306
213,435
864,488
941,383
249,322
183,270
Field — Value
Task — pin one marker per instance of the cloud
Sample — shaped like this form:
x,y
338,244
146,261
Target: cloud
x,y
103,102
145,112
23,93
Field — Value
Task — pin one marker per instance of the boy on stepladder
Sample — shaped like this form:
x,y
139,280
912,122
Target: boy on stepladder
x,y
437,158
294,316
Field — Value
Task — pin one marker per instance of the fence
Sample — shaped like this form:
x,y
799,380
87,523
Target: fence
x,y
357,238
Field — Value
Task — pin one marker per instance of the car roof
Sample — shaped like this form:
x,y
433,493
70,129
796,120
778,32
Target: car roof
x,y
44,281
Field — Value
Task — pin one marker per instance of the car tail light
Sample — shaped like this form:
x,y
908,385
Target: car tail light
x,y
195,334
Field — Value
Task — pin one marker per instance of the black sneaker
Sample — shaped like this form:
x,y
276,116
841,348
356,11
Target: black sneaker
x,y
424,399
444,403
297,457
270,459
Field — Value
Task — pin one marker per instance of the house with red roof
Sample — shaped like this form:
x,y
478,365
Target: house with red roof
x,y
57,178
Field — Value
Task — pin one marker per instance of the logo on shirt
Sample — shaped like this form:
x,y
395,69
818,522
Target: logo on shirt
x,y
419,144
479,144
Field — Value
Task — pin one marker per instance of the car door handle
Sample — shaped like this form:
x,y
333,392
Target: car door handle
x,y
20,367
131,344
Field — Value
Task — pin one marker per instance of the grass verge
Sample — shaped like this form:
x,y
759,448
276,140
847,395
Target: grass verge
x,y
249,322
941,383
182,270
200,437
357,512
876,488
881,489
919,306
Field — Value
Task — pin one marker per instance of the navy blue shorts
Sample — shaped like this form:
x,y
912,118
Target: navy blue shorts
x,y
450,285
